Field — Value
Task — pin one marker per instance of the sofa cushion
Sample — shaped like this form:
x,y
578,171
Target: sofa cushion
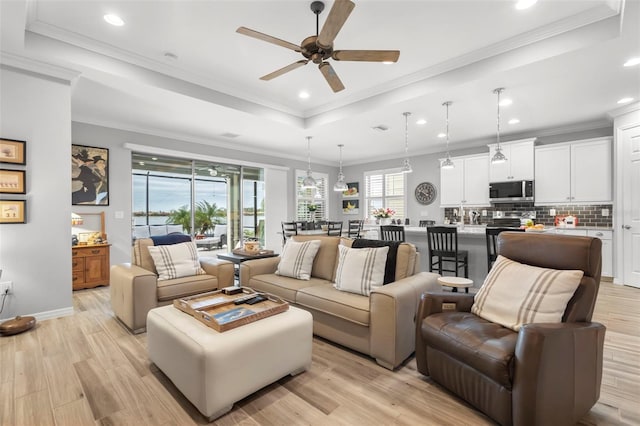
x,y
514,294
483,345
324,298
392,255
164,240
360,269
176,260
141,231
283,287
296,259
324,265
186,286
155,230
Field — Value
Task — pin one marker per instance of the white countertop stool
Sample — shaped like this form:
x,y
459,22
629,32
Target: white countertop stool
x,y
456,283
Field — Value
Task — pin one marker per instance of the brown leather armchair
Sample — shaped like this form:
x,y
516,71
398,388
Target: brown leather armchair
x,y
545,374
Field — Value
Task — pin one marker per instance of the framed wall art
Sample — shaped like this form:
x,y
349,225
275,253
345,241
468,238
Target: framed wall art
x,y
89,175
350,206
13,151
12,181
352,191
13,211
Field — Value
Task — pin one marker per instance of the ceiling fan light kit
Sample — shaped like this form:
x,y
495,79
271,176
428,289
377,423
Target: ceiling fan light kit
x,y
319,48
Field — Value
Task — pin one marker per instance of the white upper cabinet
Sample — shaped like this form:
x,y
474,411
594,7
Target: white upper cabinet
x,y
467,183
519,164
578,172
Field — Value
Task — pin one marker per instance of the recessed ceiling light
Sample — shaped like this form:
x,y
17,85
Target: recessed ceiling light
x,y
525,4
303,95
631,62
625,100
421,121
387,62
514,121
506,102
442,135
114,19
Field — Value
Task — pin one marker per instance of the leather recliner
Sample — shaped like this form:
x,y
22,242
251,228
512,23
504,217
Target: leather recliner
x,y
545,374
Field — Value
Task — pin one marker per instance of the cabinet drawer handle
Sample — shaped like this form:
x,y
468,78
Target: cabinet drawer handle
x,y
74,253
97,251
75,264
599,234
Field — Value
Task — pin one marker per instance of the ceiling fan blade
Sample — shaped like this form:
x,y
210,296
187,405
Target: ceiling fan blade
x,y
269,39
338,14
330,75
283,70
366,55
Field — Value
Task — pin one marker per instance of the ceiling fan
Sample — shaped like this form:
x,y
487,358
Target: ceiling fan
x,y
319,48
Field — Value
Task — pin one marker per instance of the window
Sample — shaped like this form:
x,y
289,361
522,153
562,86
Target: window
x,y
307,197
385,188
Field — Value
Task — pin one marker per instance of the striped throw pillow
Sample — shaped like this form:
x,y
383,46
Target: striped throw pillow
x,y
360,270
176,260
514,294
296,259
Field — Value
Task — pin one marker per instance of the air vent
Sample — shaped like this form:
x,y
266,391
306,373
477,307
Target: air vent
x,y
230,135
380,128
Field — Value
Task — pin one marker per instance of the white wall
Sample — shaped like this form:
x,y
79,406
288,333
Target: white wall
x,y
36,256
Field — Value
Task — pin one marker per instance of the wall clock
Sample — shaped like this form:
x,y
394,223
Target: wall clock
x,y
426,193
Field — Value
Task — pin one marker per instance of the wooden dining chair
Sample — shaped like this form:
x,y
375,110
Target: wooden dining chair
x,y
289,229
392,233
355,228
492,236
334,228
443,246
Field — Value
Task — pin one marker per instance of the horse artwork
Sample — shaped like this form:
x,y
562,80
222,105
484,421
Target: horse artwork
x,y
89,175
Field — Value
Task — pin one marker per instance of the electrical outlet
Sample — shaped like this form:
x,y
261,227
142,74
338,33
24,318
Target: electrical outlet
x,y
484,213
605,212
552,212
6,285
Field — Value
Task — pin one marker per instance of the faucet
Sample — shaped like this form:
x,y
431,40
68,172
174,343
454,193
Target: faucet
x,y
461,215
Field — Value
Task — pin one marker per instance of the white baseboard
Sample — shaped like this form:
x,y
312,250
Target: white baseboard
x,y
56,313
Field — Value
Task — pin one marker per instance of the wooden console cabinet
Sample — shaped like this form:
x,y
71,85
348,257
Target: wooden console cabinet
x,y
90,266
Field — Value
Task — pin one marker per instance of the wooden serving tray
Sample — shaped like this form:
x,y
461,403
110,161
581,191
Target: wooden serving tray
x,y
207,300
228,316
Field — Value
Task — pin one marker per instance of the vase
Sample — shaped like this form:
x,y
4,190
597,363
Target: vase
x,y
385,221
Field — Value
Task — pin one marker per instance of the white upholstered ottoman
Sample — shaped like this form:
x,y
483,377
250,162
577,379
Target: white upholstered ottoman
x,y
215,370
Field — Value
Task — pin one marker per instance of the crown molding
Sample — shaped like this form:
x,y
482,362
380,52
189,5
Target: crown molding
x,y
35,66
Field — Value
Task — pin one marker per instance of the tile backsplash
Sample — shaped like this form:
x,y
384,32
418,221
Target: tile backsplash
x,y
588,215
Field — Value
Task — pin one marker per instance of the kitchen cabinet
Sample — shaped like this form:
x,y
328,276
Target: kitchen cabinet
x,y
519,164
90,266
607,247
467,183
578,172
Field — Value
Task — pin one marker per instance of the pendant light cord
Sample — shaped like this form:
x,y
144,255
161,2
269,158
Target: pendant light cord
x,y
446,104
498,91
309,156
406,133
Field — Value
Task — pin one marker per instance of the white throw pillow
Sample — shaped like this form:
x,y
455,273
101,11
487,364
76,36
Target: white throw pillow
x,y
176,260
514,294
360,269
296,259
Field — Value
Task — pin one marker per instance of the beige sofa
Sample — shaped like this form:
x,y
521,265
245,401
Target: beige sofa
x,y
135,288
381,325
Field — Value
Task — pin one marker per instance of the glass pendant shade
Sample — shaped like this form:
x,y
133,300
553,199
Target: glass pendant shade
x,y
448,162
498,157
406,165
309,182
340,185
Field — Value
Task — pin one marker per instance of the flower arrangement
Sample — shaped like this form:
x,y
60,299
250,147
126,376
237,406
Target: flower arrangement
x,y
383,213
312,207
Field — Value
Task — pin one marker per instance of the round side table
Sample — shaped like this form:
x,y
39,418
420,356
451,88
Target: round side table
x,y
456,283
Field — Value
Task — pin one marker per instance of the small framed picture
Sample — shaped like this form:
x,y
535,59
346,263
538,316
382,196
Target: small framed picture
x,y
12,181
13,211
352,191
350,206
13,151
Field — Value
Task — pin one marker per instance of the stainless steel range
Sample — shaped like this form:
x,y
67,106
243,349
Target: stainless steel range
x,y
511,219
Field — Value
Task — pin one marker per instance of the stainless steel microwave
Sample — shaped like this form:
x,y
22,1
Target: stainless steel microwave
x,y
507,192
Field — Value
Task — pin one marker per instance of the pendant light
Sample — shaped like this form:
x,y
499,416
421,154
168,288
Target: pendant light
x,y
309,182
340,185
447,163
406,166
498,157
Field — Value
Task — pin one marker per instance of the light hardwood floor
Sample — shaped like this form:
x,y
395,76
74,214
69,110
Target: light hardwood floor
x,y
87,369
